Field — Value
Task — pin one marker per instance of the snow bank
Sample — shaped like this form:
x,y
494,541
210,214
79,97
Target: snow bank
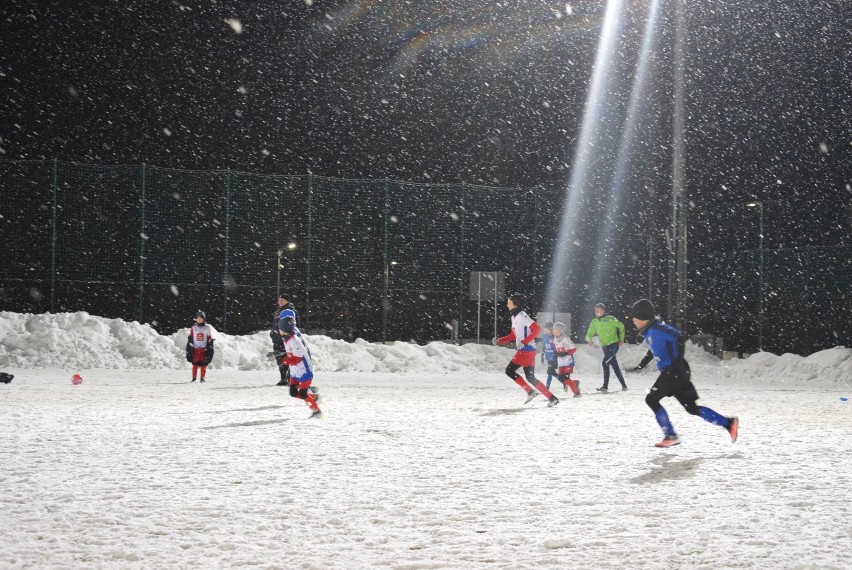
x,y
81,341
833,364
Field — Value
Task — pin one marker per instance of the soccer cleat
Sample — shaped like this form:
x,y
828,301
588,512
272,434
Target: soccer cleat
x,y
530,395
317,415
203,380
668,441
193,380
602,389
624,388
283,383
578,394
552,402
733,428
313,389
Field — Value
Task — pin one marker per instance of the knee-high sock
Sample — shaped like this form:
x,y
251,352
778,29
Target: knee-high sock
x,y
203,371
543,389
713,417
571,384
549,378
663,420
194,371
312,402
522,383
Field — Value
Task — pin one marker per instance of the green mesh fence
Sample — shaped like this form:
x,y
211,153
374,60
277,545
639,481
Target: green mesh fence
x,y
371,258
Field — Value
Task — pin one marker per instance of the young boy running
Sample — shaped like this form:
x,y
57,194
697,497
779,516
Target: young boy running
x,y
199,346
564,350
299,360
524,331
668,345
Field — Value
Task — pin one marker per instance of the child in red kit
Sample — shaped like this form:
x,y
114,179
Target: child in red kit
x,y
524,332
199,347
565,349
299,360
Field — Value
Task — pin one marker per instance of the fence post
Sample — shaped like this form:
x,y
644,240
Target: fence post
x,y
461,263
142,238
385,270
227,238
310,235
53,236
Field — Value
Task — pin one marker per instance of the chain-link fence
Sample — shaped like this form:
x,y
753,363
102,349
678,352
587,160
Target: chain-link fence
x,y
369,258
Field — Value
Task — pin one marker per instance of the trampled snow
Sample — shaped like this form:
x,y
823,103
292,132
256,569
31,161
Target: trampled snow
x,y
426,458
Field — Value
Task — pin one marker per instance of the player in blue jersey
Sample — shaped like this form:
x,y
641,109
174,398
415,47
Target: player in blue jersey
x,y
548,356
668,345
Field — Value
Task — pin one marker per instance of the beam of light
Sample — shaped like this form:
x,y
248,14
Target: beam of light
x,y
637,95
566,254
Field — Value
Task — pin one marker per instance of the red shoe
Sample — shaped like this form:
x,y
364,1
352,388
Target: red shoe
x,y
733,428
668,441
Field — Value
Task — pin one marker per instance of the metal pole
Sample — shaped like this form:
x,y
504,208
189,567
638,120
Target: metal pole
x,y
227,242
308,264
478,305
278,276
387,270
760,297
495,305
678,191
53,237
461,265
142,238
650,267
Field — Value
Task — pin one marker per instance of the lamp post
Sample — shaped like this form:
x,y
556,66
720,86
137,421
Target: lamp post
x,y
385,303
290,247
759,205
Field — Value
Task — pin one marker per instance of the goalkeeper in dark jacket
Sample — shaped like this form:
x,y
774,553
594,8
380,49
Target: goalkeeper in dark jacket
x,y
199,346
668,345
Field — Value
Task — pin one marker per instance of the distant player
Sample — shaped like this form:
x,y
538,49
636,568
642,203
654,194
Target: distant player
x,y
524,332
199,346
564,350
286,309
548,357
299,361
668,345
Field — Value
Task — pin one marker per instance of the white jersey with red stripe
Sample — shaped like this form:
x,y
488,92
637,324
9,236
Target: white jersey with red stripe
x,y
303,369
200,335
522,327
565,350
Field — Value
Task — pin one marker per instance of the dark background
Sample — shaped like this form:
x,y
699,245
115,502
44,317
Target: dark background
x,y
480,93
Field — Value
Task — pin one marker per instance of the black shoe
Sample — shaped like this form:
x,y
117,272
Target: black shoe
x,y
602,389
203,380
624,388
5,378
283,383
193,380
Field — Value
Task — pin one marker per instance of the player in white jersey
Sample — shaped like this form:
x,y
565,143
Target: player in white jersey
x,y
299,360
524,332
565,349
199,346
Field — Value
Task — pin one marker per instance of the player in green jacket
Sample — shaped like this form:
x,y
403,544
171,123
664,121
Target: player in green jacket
x,y
610,333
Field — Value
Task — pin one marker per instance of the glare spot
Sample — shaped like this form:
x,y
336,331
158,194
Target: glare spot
x,y
235,24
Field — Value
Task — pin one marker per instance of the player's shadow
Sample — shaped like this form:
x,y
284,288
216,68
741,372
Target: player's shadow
x,y
246,424
504,412
246,409
669,470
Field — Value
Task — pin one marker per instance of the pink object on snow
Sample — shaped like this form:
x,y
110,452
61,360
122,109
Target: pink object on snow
x,y
76,379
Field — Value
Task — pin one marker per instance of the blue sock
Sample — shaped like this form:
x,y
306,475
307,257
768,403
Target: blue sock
x,y
713,417
663,420
549,378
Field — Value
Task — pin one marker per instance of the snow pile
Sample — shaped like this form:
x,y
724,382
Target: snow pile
x,y
81,341
834,364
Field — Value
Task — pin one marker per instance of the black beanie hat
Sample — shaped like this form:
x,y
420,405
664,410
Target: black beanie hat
x,y
643,309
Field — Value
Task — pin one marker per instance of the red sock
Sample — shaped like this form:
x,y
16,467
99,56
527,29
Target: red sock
x,y
194,371
312,402
571,384
543,389
520,382
203,371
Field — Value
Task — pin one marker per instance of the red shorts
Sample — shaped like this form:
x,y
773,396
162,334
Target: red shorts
x,y
565,369
304,385
524,358
199,355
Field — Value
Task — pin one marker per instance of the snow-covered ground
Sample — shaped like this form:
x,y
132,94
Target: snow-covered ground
x,y
426,458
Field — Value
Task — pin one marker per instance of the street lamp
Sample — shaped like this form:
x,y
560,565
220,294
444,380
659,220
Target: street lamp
x,y
290,247
385,303
759,205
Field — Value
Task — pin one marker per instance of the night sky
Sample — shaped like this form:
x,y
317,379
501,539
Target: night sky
x,y
465,91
